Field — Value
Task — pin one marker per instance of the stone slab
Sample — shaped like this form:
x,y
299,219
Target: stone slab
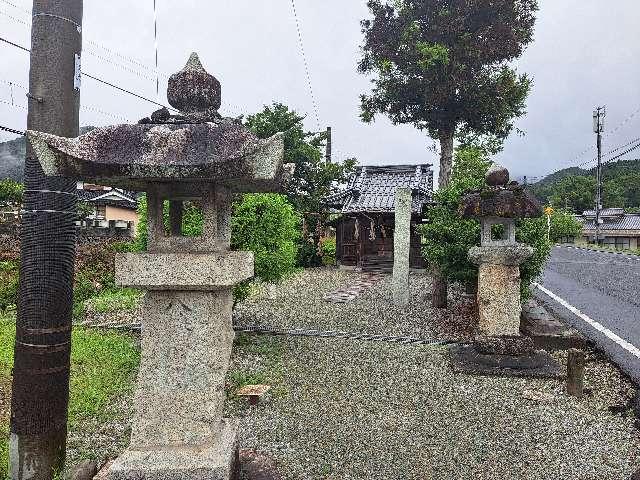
x,y
183,271
401,246
546,331
213,462
467,360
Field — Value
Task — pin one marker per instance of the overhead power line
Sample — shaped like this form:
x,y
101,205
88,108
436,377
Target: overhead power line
x,y
306,64
609,152
97,79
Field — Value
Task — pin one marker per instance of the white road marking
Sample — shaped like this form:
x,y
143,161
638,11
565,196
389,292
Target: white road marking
x,y
632,349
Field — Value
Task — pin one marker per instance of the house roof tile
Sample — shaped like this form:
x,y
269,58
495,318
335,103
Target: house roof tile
x,y
373,188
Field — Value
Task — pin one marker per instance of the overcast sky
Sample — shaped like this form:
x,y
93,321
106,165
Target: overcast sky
x,y
585,53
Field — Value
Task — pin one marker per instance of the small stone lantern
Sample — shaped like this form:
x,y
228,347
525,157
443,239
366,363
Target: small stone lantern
x,y
499,255
178,431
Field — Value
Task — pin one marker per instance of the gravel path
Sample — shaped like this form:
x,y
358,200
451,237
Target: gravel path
x,y
344,409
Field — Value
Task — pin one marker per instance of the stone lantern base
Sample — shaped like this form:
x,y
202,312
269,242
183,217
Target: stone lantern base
x,y
178,432
499,287
218,461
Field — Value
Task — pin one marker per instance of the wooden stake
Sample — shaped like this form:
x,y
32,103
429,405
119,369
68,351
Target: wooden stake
x,y
575,373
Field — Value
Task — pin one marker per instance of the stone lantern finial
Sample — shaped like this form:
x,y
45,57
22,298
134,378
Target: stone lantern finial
x,y
497,176
193,89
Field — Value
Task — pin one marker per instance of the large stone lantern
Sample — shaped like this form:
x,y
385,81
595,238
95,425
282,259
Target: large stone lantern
x,y
499,255
178,431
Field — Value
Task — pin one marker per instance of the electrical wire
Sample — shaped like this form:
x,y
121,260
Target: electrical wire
x,y
306,64
97,79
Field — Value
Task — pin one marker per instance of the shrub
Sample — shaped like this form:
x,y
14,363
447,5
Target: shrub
x,y
267,225
533,232
564,225
328,251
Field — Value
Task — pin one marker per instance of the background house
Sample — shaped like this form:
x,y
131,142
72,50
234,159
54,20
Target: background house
x,y
364,230
108,206
620,230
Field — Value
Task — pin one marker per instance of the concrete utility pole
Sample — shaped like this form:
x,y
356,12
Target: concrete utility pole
x,y
328,144
598,128
40,393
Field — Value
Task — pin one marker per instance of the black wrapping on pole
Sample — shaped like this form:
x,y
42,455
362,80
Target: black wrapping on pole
x,y
43,333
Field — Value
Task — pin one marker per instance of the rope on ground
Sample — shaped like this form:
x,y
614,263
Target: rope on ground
x,y
299,332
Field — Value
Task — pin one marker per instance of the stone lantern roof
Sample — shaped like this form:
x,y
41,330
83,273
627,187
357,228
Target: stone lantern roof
x,y
501,199
195,145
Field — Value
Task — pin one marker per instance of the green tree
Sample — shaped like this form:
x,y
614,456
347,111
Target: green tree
x,y
614,194
564,225
575,192
313,179
444,67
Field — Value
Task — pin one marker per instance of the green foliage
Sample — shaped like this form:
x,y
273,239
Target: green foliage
x,y
564,225
533,232
103,368
142,235
444,65
84,210
9,275
621,187
267,225
574,192
448,237
328,251
313,179
11,191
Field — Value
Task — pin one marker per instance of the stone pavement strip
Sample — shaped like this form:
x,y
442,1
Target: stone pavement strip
x,y
353,291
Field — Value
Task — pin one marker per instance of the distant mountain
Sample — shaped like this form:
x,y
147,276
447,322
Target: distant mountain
x,y
619,178
12,157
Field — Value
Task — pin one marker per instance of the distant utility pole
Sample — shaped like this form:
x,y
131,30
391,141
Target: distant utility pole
x,y
40,394
598,127
328,144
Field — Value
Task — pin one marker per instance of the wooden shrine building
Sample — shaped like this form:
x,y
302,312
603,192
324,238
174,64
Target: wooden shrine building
x,y
364,230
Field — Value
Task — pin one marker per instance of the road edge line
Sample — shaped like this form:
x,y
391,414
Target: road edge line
x,y
621,342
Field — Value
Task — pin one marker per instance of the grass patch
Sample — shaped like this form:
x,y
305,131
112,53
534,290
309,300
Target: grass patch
x,y
123,299
267,352
103,366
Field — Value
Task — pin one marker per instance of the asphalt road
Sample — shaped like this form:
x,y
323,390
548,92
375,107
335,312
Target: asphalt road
x,y
598,293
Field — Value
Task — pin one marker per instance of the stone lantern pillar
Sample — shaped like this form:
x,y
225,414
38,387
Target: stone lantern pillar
x,y
197,156
499,256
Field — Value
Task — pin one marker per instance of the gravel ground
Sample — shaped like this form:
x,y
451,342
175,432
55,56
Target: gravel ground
x,y
298,303
355,410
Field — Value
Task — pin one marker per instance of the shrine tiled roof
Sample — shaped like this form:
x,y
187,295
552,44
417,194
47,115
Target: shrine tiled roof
x,y
373,188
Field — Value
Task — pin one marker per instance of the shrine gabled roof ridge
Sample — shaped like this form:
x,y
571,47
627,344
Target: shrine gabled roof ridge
x,y
373,188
